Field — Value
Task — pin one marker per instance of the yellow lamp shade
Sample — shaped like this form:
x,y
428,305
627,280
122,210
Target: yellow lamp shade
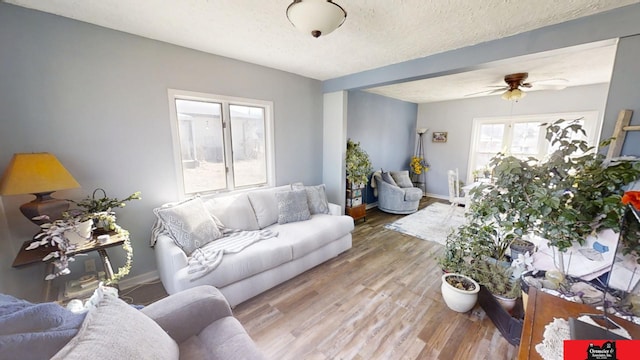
x,y
35,173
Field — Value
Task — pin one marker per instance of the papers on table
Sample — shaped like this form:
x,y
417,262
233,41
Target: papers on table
x,y
625,274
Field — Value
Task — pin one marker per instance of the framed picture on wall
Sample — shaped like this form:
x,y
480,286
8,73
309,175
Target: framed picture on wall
x,y
439,136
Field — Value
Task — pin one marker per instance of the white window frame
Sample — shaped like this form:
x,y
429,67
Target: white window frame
x,y
175,94
592,126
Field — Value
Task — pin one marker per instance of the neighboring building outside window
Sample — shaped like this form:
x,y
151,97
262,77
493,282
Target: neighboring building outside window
x,y
221,143
520,136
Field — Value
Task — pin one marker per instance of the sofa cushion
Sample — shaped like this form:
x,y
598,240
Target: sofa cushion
x,y
292,206
386,177
307,236
116,330
316,197
402,178
234,211
259,257
265,205
190,224
412,194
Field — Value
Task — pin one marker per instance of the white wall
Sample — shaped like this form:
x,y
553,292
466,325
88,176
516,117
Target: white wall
x,y
335,146
456,118
97,99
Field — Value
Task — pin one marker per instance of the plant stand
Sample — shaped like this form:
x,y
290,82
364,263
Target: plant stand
x,y
509,325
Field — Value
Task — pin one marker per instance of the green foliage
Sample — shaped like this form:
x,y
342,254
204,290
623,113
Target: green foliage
x,y
565,198
91,204
496,278
357,163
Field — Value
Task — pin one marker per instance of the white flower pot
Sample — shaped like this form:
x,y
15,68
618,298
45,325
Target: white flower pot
x,y
459,300
81,234
507,303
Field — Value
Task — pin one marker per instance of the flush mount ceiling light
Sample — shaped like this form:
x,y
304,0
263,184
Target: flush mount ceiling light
x,y
316,17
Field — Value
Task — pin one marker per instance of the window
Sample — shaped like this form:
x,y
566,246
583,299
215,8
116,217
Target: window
x,y
221,143
520,136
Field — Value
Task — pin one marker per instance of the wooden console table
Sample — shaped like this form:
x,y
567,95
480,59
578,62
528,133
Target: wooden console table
x,y
542,308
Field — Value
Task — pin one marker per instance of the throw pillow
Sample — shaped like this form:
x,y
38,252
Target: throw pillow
x,y
234,211
402,178
116,330
265,205
386,177
317,199
292,206
190,224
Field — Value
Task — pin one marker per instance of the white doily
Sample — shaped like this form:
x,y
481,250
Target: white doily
x,y
557,331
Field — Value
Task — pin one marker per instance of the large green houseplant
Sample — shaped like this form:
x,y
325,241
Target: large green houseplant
x,y
573,193
357,163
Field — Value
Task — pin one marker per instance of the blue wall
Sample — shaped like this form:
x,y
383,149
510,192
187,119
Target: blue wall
x,y
97,99
385,128
624,91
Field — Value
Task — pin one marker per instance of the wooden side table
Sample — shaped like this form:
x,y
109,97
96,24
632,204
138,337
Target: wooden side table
x,y
542,308
29,257
357,212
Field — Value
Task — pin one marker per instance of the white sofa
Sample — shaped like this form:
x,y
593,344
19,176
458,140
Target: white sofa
x,y
298,246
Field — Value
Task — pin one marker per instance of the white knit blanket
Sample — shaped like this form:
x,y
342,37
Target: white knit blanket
x,y
204,260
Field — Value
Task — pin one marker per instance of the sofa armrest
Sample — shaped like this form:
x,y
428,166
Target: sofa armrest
x,y
188,312
335,209
169,259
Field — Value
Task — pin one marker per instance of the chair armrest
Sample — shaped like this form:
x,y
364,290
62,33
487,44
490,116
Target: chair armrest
x,y
188,312
335,209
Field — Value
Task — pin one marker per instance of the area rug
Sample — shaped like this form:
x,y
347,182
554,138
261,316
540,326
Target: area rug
x,y
430,223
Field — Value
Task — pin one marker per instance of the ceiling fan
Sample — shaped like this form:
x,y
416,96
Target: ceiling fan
x,y
515,83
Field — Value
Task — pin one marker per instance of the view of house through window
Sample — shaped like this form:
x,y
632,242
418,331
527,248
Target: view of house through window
x,y
223,143
520,136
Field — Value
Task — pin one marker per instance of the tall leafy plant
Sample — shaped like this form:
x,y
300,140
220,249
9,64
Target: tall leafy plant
x,y
358,163
573,193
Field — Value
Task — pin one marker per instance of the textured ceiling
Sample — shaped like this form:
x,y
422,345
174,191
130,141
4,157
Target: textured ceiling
x,y
569,67
376,32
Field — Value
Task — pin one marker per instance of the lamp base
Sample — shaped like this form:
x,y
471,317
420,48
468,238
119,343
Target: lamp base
x,y
44,204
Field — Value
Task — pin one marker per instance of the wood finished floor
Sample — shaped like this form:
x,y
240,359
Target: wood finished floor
x,y
379,300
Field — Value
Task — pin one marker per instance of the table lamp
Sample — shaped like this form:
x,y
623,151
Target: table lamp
x,y
39,174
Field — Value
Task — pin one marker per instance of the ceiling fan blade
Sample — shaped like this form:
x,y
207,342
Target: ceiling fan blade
x,y
549,87
489,92
553,81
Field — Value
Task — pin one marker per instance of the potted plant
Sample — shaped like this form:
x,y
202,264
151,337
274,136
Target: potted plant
x,y
357,163
498,280
459,292
100,209
564,198
520,247
56,235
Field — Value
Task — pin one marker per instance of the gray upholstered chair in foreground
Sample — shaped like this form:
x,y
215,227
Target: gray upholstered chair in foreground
x,y
192,324
396,193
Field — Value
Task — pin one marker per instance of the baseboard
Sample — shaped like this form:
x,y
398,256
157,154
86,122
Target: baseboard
x,y
130,282
371,206
443,197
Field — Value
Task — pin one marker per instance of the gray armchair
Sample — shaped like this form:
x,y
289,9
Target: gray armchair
x,y
193,324
396,193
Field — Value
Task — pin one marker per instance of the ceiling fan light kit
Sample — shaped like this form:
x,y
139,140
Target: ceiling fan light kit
x,y
513,95
316,17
